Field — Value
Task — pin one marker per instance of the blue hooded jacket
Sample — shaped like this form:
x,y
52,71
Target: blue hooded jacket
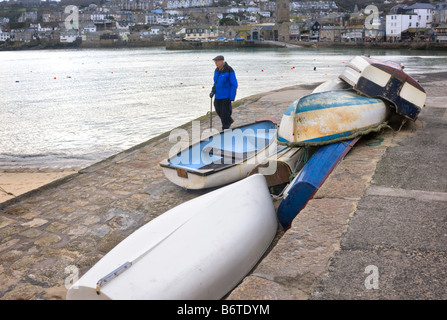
x,y
225,83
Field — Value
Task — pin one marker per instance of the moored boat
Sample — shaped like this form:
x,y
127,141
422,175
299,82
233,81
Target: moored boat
x,y
222,158
386,80
200,249
330,116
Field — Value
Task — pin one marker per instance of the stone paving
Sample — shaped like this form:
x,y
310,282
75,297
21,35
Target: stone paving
x,y
49,234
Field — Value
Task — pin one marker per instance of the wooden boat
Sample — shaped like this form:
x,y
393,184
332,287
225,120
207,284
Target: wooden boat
x,y
280,168
200,249
386,80
330,116
309,180
222,158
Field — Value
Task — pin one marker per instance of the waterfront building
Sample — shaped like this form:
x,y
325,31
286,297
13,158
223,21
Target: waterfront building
x,y
330,34
440,14
282,11
440,33
408,20
90,28
4,36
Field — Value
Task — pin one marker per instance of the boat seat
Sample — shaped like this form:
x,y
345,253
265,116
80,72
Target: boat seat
x,y
227,153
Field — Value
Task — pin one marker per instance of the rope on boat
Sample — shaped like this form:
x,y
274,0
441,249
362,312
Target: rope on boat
x,y
303,158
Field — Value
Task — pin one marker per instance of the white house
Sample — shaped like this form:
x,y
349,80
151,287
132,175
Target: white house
x,y
157,30
403,17
4,35
68,36
395,24
165,20
173,4
90,28
424,12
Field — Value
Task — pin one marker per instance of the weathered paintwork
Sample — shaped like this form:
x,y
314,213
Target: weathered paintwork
x,y
328,116
388,81
310,179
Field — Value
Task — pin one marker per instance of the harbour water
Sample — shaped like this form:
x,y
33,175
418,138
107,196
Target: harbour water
x,y
71,108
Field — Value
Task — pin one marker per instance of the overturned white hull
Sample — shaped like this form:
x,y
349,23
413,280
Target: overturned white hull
x,y
200,249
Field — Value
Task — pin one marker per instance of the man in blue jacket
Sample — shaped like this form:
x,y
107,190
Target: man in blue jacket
x,y
224,90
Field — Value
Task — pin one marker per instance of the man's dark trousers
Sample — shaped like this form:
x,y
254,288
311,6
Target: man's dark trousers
x,y
224,111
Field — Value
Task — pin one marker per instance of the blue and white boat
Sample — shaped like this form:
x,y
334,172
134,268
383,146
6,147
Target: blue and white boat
x,y
222,158
386,80
310,178
330,116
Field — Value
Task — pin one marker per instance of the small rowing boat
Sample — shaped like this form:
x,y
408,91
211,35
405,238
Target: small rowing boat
x,y
330,116
278,169
310,179
200,249
386,80
222,158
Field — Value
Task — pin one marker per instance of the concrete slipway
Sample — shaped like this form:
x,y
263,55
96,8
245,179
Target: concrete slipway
x,y
375,230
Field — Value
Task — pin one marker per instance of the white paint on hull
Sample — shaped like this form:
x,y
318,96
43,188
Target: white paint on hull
x,y
200,249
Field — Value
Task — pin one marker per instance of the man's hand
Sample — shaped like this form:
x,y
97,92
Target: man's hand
x,y
211,94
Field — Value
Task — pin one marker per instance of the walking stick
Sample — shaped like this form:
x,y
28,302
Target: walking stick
x,y
211,114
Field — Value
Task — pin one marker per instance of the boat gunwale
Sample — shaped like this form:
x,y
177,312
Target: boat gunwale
x,y
205,172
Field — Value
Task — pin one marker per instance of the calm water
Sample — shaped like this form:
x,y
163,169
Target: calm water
x,y
71,108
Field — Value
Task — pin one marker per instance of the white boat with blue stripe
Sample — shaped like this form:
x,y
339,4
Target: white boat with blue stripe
x,y
223,158
330,116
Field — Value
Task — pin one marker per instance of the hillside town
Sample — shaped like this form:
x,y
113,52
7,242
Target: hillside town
x,y
136,23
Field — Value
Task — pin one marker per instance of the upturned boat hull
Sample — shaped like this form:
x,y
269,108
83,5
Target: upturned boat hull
x,y
330,116
200,249
388,81
310,179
